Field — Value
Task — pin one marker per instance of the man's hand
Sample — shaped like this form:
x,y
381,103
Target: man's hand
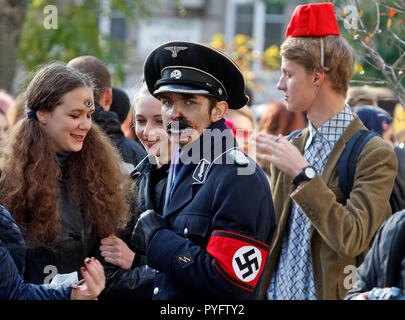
x,y
149,223
115,251
279,151
93,281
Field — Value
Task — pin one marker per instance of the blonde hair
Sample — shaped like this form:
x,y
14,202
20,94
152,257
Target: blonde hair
x,y
338,58
142,92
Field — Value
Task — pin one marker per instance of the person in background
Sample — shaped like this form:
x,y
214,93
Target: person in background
x,y
6,101
130,129
135,279
151,174
131,152
61,177
120,104
361,95
17,111
380,121
319,234
372,96
4,128
398,125
276,119
384,265
375,119
386,99
244,124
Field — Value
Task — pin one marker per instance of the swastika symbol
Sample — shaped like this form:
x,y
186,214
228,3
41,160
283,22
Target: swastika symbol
x,y
246,263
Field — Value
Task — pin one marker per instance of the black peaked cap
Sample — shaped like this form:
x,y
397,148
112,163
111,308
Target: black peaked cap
x,y
187,67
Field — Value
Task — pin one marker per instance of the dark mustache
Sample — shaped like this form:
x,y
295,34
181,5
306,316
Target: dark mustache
x,y
180,124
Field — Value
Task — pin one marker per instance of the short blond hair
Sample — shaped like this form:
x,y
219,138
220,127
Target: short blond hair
x,y
338,58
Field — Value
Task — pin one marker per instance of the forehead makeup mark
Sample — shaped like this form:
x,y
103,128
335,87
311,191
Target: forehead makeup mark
x,y
88,103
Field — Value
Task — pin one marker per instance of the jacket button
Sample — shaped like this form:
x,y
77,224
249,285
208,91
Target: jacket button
x,y
156,290
185,231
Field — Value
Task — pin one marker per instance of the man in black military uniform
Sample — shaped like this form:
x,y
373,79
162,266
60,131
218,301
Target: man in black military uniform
x,y
214,236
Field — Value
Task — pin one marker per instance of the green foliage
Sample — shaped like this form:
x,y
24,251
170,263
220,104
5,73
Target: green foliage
x,y
274,6
391,21
77,33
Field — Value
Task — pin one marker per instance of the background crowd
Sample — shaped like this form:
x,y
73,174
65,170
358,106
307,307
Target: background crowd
x,y
88,174
134,126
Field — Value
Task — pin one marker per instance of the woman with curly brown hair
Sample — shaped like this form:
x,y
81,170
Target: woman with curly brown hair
x,y
61,178
276,119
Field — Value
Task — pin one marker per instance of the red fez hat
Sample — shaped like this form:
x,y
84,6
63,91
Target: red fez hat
x,y
313,20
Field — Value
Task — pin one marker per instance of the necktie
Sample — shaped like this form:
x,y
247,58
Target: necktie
x,y
172,172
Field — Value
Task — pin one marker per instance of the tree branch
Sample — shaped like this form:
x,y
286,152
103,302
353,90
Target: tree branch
x,y
398,38
388,71
369,81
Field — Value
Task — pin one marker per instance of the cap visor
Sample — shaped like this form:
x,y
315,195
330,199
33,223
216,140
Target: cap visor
x,y
177,88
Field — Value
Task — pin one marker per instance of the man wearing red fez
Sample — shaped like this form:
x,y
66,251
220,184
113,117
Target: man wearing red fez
x,y
320,232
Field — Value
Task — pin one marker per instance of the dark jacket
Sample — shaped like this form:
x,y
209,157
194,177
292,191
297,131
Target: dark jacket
x,y
12,255
384,265
397,199
151,185
78,240
131,151
137,283
220,223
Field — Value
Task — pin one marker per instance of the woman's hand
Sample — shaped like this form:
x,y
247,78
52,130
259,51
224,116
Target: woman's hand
x,y
93,281
115,251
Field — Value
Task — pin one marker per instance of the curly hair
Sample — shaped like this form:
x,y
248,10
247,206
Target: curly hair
x,y
276,119
31,173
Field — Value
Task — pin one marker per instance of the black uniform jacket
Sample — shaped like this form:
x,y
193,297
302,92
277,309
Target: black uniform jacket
x,y
221,221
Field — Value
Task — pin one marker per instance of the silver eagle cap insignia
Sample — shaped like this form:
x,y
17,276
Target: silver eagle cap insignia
x,y
175,50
